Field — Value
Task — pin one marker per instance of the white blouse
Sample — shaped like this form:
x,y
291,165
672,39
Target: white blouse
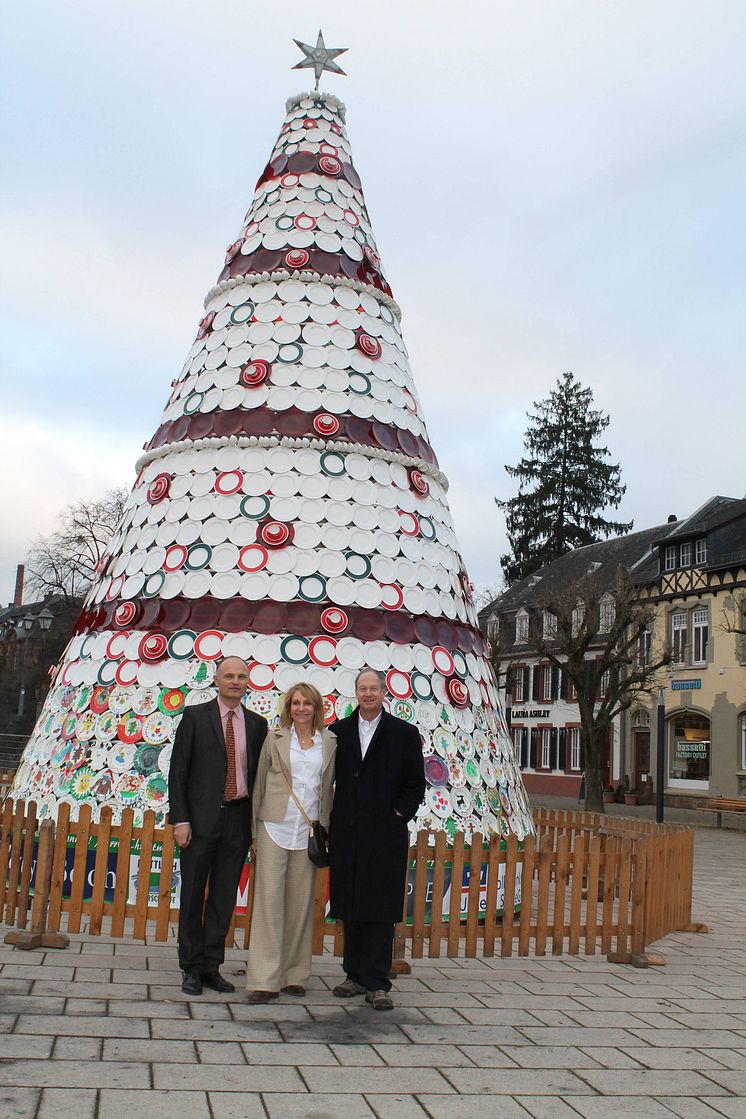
x,y
305,774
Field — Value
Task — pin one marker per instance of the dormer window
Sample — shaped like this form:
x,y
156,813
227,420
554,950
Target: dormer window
x,y
521,627
577,618
606,614
669,558
700,551
549,626
686,554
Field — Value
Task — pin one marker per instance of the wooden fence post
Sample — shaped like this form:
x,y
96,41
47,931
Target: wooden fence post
x,y
37,936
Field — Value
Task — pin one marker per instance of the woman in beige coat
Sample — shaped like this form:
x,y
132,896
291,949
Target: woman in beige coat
x,y
303,751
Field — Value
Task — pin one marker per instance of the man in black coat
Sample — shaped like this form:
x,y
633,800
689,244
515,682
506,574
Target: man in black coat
x,y
380,783
213,766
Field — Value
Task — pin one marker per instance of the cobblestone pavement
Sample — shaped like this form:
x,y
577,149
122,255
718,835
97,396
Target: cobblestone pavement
x,y
102,1031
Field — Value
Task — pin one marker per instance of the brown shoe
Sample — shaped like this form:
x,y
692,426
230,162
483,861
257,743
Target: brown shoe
x,y
256,997
294,989
348,989
380,1000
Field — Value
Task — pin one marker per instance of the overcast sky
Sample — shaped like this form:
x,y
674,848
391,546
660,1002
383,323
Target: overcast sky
x,y
553,185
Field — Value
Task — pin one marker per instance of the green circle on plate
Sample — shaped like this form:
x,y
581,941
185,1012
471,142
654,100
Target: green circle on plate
x,y
333,464
290,353
359,384
192,403
291,657
198,556
255,506
242,313
153,584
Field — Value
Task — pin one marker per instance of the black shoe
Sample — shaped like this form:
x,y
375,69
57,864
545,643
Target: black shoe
x,y
192,984
215,981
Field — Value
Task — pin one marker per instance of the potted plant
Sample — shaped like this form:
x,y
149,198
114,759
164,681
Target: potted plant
x,y
631,797
609,794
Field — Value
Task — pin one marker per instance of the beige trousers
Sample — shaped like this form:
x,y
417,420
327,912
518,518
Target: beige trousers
x,y
282,921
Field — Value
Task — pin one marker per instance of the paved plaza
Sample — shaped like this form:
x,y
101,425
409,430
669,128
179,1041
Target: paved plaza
x,y
102,1031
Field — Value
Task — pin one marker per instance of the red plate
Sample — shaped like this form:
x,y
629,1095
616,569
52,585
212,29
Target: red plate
x,y
392,596
324,424
297,258
323,651
205,324
175,557
330,165
458,691
125,613
229,481
253,558
275,534
153,647
371,347
410,523
158,488
253,374
99,700
209,645
126,673
232,250
398,684
130,728
334,620
418,482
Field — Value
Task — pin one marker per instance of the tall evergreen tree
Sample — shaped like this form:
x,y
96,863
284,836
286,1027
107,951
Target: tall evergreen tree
x,y
564,482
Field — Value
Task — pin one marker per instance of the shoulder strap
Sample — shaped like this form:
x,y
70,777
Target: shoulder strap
x,y
298,804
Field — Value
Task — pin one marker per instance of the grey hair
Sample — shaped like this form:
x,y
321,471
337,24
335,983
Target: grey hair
x,y
375,672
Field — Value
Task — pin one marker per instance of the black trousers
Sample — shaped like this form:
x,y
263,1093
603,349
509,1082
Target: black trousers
x,y
212,862
369,947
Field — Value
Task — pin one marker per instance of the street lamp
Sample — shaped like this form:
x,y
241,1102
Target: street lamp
x,y
45,619
661,754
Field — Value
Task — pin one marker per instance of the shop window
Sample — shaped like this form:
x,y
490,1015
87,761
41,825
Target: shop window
x,y
686,555
700,636
689,751
574,748
669,558
521,627
700,551
678,637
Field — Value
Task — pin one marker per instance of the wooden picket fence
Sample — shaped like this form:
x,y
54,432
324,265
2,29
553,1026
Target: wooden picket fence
x,y
586,883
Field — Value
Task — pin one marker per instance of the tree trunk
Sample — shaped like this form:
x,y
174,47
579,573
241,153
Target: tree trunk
x,y
594,790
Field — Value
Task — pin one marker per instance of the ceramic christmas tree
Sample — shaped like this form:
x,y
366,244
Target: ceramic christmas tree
x,y
289,510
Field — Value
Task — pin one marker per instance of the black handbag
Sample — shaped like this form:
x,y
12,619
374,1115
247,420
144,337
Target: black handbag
x,y
318,838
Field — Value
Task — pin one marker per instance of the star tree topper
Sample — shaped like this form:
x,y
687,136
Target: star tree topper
x,y
319,58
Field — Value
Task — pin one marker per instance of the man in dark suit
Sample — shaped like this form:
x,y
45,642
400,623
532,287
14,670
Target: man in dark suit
x,y
380,783
213,766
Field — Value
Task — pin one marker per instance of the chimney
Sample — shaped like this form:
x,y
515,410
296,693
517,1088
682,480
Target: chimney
x,y
672,518
18,592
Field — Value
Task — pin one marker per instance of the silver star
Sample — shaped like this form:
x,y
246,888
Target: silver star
x,y
319,58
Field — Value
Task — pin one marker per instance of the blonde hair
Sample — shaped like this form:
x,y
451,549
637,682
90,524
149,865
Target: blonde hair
x,y
309,692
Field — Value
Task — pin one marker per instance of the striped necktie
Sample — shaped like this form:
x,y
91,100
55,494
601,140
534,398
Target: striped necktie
x,y
231,790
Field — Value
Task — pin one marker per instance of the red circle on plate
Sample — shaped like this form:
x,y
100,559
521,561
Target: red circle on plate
x,y
112,650
275,534
115,587
304,222
328,149
351,217
158,488
134,734
253,558
323,651
310,123
175,557
335,128
410,523
204,639
297,258
126,673
458,691
172,700
398,684
153,647
205,323
334,620
330,165
443,661
261,676
368,345
99,700
229,481
254,373
325,424
232,250
418,482
125,613
289,180
393,596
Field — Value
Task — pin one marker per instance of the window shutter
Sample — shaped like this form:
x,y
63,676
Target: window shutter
x,y
563,684
537,682
553,764
532,750
524,748
555,681
562,760
526,684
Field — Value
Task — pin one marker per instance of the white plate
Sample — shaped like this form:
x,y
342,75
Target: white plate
x,y
341,590
350,653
